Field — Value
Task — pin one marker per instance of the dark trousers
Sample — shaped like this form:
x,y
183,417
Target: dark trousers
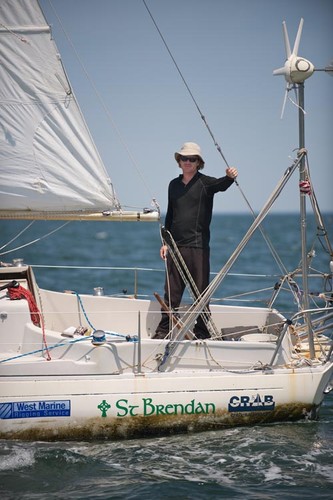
x,y
197,262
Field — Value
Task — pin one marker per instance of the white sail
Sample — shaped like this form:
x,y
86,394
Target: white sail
x,y
48,160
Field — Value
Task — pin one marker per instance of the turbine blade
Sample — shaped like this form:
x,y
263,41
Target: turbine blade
x,y
286,40
280,71
284,103
298,37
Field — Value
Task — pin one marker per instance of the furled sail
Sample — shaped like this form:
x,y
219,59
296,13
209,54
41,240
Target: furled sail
x,y
48,160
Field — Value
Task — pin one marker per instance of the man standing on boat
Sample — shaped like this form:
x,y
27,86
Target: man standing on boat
x,y
188,218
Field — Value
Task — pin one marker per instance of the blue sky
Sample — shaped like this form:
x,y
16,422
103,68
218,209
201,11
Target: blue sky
x,y
226,51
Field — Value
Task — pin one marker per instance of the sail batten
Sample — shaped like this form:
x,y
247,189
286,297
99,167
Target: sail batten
x,y
24,29
48,160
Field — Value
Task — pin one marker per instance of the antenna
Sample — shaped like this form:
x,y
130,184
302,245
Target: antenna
x,y
328,69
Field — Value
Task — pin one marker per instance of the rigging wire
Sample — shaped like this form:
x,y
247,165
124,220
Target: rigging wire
x,y
33,241
266,238
17,236
185,83
316,210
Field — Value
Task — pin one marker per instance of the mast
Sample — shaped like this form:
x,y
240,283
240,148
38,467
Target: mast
x,y
295,71
303,219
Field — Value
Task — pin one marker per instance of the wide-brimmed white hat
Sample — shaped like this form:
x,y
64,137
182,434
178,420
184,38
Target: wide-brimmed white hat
x,y
190,149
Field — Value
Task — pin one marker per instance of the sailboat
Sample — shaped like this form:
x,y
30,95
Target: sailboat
x,y
61,378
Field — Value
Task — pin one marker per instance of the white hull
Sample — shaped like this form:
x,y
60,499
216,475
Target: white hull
x,y
124,389
127,406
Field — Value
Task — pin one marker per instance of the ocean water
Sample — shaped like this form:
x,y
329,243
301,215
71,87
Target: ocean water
x,y
277,461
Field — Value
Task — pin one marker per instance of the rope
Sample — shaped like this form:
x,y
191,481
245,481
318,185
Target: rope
x,y
83,310
126,337
187,278
60,344
18,293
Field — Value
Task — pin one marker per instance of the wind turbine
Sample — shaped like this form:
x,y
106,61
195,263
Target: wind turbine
x,y
296,69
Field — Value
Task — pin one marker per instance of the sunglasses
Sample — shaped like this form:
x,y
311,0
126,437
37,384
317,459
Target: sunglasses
x,y
192,159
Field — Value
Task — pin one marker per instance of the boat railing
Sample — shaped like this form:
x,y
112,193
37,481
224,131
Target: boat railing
x,y
320,321
248,289
142,282
322,329
131,278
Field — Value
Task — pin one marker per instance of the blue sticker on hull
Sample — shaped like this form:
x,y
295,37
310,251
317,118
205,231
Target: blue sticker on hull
x,y
251,403
35,409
